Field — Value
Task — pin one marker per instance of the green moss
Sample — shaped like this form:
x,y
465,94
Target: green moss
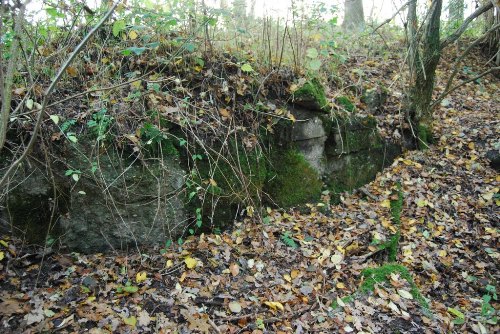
x,y
393,244
311,95
292,180
346,103
425,137
374,276
381,274
345,300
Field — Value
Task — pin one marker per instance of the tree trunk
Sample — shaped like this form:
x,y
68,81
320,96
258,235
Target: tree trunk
x,y
456,12
423,69
492,47
7,73
354,19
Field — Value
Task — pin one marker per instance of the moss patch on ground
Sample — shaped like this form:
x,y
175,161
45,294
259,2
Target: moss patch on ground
x,y
381,274
346,103
292,180
396,207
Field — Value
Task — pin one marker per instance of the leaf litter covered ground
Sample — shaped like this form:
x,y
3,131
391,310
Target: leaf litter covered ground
x,y
301,272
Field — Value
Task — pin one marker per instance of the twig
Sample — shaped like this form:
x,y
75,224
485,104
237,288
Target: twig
x,y
49,91
392,17
214,326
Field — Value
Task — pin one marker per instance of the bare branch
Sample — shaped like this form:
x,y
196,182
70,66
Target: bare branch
x,y
491,70
392,17
456,35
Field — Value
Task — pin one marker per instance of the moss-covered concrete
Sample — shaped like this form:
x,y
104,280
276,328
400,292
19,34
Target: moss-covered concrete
x,y
311,96
292,180
233,180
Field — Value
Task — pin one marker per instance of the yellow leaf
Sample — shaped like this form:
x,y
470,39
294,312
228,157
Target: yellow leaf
x,y
226,113
132,34
213,183
170,263
4,243
340,285
407,162
136,84
72,71
421,202
287,278
292,118
141,277
130,321
386,203
250,211
275,305
471,145
190,262
2,255
442,253
294,273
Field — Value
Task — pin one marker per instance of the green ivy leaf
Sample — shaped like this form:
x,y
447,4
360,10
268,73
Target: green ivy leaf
x,y
312,53
246,67
118,26
315,64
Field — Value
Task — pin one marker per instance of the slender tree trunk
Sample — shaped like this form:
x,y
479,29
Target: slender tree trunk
x,y
456,12
354,19
7,73
423,70
492,17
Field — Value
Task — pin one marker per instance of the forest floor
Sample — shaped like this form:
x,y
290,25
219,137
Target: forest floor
x,y
303,272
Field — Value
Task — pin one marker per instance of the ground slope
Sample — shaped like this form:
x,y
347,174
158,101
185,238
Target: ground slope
x,y
302,272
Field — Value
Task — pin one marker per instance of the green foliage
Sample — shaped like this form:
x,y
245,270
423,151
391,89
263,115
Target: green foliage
x,y
156,141
292,180
487,310
287,239
100,124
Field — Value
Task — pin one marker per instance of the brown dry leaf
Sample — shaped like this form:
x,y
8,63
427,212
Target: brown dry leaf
x,y
225,113
235,269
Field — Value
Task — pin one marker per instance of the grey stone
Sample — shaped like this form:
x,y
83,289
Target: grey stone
x,y
124,204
